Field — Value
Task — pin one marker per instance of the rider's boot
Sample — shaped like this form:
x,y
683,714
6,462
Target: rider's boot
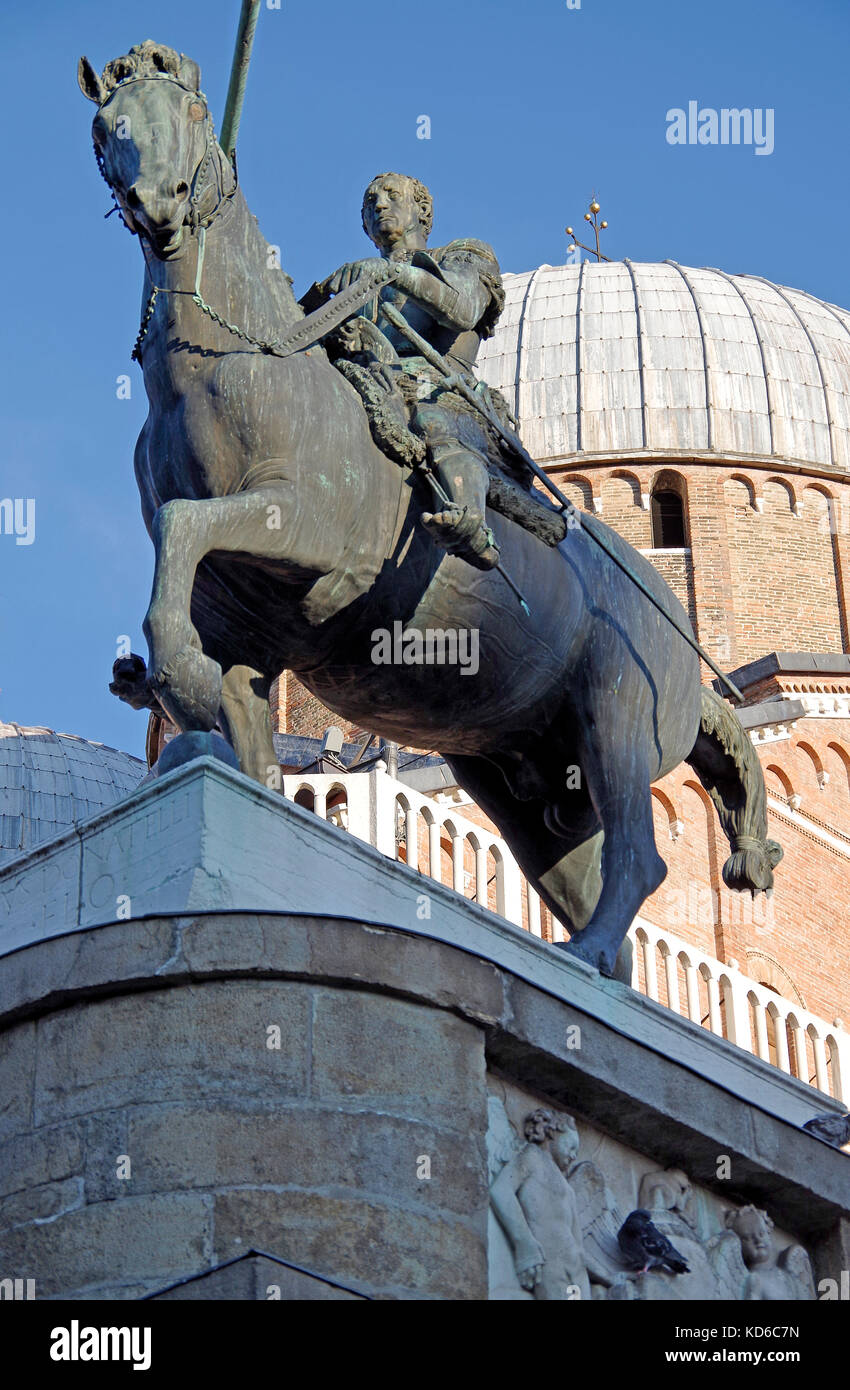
x,y
459,527
464,533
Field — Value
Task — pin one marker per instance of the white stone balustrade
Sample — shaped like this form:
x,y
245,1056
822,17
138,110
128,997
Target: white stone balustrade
x,y
721,998
432,837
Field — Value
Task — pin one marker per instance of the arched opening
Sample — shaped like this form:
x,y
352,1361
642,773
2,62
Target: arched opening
x,y
337,806
819,1055
778,782
402,828
798,1049
578,490
842,758
775,485
668,520
746,483
429,861
772,1025
837,1081
495,881
675,824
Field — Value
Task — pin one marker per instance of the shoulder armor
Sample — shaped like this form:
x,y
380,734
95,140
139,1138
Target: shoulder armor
x,y
469,245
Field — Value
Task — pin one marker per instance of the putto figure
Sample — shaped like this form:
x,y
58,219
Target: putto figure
x,y
452,297
772,1276
536,1206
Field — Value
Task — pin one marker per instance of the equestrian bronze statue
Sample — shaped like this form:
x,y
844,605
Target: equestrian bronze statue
x,y
286,535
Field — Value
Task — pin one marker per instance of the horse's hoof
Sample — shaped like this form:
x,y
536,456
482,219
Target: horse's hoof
x,y
188,686
599,959
130,682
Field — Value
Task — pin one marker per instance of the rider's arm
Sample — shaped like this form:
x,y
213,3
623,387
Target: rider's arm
x,y
459,299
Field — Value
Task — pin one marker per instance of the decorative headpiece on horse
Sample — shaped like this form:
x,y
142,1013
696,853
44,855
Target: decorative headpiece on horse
x,y
148,62
146,59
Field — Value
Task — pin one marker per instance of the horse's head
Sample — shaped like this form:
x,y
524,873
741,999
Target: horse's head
x,y
154,141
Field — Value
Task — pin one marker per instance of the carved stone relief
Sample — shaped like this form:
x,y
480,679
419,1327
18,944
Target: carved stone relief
x,y
560,1193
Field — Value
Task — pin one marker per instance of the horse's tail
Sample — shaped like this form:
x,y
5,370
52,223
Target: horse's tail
x,y
726,763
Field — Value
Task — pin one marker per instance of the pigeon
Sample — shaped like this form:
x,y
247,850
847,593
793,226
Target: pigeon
x,y
832,1129
643,1245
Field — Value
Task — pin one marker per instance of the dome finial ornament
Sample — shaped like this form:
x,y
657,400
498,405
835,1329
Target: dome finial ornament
x,y
597,226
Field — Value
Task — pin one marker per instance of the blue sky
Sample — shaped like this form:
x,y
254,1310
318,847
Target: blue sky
x,y
533,107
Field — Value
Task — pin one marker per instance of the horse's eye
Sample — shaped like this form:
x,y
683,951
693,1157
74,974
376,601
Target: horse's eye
x,y
196,111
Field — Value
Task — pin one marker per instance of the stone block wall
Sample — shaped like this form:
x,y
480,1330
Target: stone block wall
x,y
184,1092
158,1133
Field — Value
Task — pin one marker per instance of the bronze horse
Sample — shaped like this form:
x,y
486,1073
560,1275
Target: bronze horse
x,y
285,538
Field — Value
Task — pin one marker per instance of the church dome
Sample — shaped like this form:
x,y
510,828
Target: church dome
x,y
49,782
623,359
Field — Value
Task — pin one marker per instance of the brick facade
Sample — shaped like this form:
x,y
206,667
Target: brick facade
x,y
295,711
743,524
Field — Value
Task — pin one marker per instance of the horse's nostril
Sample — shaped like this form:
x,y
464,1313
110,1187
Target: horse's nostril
x,y
132,197
181,189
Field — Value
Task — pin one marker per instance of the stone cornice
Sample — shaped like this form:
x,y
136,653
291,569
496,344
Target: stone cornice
x,y
637,458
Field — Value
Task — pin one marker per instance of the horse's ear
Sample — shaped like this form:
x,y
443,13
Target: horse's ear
x,y
90,84
190,73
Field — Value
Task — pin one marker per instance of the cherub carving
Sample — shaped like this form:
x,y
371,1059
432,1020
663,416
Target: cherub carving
x,y
717,1271
537,1209
771,1275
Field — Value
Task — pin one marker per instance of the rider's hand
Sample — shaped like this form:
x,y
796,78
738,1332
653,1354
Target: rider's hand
x,y
352,271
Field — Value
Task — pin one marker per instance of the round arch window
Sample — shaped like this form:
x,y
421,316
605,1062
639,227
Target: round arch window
x,y
668,520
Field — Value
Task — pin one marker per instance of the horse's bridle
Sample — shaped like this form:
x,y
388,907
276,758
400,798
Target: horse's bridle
x,y
198,186
198,222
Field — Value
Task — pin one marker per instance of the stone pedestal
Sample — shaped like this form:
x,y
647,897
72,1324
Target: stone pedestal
x,y
286,1050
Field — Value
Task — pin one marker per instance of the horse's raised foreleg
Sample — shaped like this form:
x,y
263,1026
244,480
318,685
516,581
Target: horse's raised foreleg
x,y
186,682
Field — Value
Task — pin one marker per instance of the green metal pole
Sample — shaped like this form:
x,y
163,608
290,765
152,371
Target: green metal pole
x,y
239,76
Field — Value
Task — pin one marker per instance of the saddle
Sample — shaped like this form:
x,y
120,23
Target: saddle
x,y
389,397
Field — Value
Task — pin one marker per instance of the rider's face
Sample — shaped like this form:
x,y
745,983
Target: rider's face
x,y
390,211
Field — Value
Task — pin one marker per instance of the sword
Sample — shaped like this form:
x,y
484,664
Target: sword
x,y
332,312
457,383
